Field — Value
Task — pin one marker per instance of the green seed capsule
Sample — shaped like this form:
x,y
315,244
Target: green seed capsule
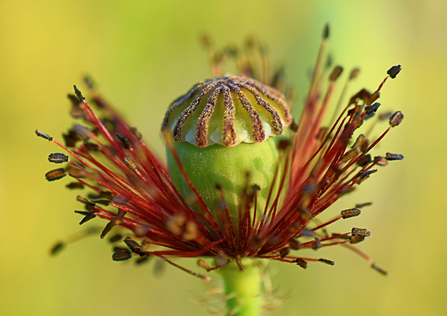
x,y
224,129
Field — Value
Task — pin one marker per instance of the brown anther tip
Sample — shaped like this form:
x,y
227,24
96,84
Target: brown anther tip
x,y
354,73
284,252
363,232
43,135
301,262
115,238
396,118
57,248
378,269
391,157
294,126
326,31
55,174
329,262
283,144
78,93
394,71
89,82
350,213
335,74
121,255
57,158
360,205
134,246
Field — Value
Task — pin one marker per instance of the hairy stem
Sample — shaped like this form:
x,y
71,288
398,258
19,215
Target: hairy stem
x,y
242,289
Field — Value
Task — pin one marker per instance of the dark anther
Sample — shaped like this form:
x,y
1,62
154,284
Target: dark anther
x,y
89,82
78,93
363,94
135,132
130,163
115,238
390,156
364,160
84,200
378,269
349,155
301,262
294,244
356,239
360,232
91,146
396,118
360,205
55,174
326,31
75,172
365,174
284,252
369,109
57,248
134,246
352,212
117,220
107,195
82,131
329,262
71,138
359,141
87,216
142,260
354,73
394,71
294,126
283,144
43,135
364,146
74,185
74,100
57,158
121,255
335,74
124,140
316,244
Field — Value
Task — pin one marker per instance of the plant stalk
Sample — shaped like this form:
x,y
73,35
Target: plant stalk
x,y
242,288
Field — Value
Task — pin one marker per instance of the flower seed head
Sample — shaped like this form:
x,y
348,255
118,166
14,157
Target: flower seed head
x,y
227,111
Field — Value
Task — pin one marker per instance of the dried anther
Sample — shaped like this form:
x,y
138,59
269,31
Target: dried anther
x,y
55,174
350,213
329,262
396,119
57,158
391,157
43,135
134,246
394,71
363,232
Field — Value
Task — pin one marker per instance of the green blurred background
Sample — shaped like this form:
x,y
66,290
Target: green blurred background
x,y
144,54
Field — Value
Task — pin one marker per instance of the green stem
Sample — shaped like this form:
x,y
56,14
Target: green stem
x,y
242,289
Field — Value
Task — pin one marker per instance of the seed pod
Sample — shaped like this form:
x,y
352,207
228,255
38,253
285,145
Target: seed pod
x,y
232,121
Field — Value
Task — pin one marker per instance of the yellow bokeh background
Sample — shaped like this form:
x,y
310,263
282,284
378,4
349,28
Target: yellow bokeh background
x,y
144,54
